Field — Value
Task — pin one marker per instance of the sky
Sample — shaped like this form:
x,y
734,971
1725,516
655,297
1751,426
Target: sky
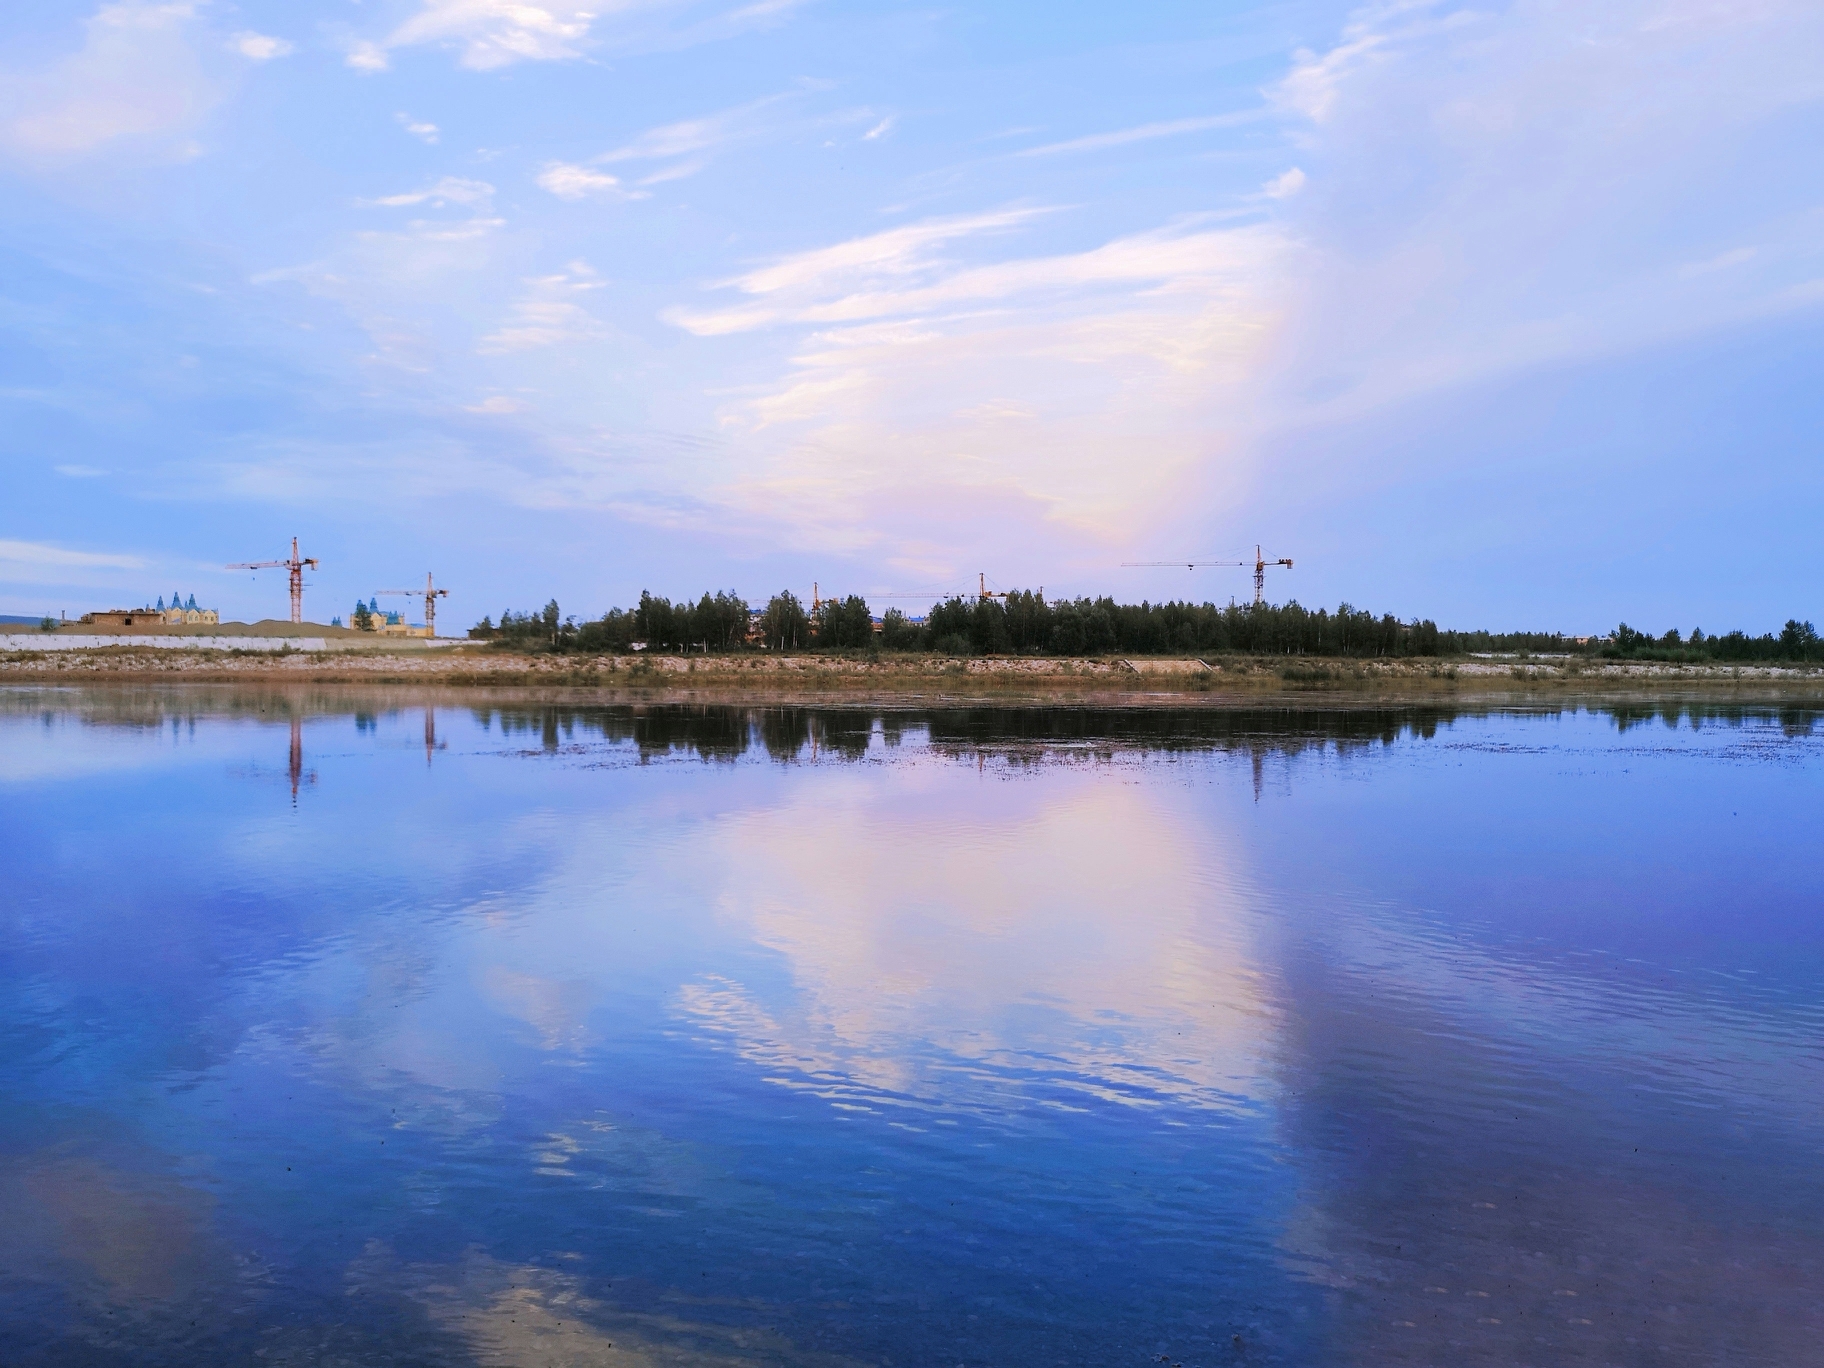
x,y
1507,315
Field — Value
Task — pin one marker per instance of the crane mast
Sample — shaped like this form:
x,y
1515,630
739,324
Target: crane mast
x,y
295,564
431,594
1260,564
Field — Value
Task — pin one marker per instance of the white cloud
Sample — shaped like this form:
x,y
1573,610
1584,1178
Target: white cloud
x,y
418,128
136,78
258,47
489,33
368,57
1173,128
449,190
571,182
23,559
1285,185
1030,382
79,472
548,315
880,130
495,403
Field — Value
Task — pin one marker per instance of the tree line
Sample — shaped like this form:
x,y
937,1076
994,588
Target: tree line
x,y
1796,641
1026,623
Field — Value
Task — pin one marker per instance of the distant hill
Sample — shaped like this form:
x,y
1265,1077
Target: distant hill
x,y
13,618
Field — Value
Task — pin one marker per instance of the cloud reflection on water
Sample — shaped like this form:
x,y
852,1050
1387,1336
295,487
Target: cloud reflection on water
x,y
957,944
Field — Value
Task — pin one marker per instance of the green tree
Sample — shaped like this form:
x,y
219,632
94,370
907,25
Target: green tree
x,y
900,633
614,632
1798,640
362,620
847,625
784,626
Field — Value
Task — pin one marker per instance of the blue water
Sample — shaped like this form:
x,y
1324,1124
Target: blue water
x,y
354,1027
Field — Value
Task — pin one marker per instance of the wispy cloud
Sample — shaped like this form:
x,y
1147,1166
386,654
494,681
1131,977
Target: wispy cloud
x,y
1172,128
1722,261
488,33
1312,86
839,280
548,314
22,557
677,171
696,135
413,289
79,472
1472,268
880,130
449,190
730,23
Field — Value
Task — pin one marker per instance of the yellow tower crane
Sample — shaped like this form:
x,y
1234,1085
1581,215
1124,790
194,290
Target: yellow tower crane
x,y
1260,564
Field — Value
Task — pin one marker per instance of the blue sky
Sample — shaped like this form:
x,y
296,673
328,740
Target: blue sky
x,y
1504,315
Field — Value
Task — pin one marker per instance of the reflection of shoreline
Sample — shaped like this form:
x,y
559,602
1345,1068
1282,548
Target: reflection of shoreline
x,y
1016,733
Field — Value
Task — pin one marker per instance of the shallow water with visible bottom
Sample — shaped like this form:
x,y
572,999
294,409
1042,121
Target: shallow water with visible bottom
x,y
343,1027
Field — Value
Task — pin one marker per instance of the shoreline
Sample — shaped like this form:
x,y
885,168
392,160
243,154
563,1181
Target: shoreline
x,y
1139,682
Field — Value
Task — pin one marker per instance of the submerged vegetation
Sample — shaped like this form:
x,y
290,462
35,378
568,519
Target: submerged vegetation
x,y
1024,623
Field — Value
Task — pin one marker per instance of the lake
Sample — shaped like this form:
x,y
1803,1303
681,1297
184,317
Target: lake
x,y
354,1027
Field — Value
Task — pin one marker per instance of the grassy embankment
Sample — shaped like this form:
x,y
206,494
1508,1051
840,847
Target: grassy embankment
x,y
865,677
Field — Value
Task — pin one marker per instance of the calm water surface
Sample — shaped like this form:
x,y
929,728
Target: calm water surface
x,y
361,1028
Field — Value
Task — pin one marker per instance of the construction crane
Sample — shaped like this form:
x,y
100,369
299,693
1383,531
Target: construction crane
x,y
1260,564
431,594
296,565
982,591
